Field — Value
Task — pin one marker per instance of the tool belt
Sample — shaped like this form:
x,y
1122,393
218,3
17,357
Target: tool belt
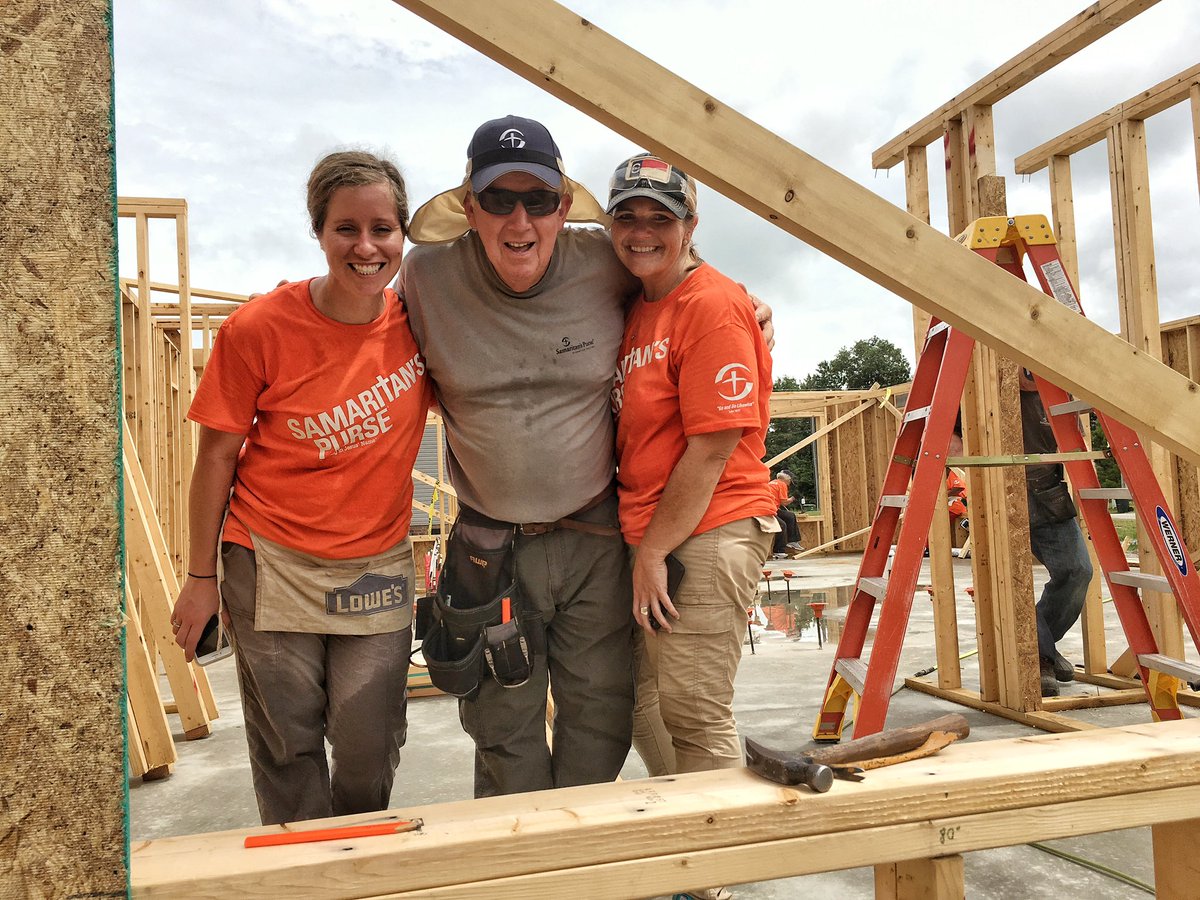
x,y
476,623
1048,496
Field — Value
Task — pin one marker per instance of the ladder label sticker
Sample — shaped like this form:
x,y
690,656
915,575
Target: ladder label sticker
x,y
1060,285
1171,539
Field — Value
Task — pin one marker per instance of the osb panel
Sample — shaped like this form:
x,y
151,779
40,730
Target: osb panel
x,y
1176,349
62,772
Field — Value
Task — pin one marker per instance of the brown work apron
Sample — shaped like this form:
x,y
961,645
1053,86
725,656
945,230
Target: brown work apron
x,y
296,591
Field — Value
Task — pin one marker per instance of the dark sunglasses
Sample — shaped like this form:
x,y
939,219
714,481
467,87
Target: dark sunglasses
x,y
500,202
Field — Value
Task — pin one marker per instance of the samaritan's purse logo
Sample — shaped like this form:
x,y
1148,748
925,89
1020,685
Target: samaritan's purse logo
x,y
513,138
731,383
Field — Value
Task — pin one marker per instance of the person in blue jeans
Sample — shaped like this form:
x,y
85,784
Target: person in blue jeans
x,y
1056,541
1054,538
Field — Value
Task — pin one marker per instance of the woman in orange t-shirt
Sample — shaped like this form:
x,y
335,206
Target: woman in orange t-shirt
x,y
690,396
311,411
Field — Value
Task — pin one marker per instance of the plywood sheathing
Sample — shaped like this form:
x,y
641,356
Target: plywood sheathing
x,y
62,792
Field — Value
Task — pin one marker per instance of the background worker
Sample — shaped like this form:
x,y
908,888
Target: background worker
x,y
1056,541
691,402
788,537
312,407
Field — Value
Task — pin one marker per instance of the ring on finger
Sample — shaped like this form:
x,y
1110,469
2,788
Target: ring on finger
x,y
645,610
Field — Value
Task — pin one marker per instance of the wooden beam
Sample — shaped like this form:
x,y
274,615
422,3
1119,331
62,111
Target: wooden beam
x,y
1162,96
574,60
1046,721
1176,863
819,433
1066,40
921,879
1194,98
647,837
151,207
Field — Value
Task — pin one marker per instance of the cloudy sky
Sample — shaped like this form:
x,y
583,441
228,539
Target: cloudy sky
x,y
228,103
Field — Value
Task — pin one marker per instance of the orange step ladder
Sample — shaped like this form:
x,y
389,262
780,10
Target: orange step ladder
x,y
916,470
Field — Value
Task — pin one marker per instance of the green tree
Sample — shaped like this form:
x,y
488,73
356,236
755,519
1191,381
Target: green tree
x,y
1106,469
873,360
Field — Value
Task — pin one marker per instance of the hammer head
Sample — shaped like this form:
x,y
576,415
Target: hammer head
x,y
789,769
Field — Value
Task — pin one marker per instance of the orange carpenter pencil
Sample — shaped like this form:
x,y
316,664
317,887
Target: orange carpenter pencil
x,y
331,834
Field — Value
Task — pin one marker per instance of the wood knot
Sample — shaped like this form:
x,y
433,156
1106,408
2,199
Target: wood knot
x,y
910,233
710,105
789,196
1035,314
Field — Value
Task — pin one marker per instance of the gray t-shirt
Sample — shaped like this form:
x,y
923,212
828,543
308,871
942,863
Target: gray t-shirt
x,y
523,379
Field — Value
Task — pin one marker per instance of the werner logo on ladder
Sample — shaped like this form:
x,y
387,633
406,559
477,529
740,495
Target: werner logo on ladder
x,y
911,487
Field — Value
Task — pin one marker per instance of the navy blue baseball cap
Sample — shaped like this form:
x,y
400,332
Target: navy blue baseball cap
x,y
513,144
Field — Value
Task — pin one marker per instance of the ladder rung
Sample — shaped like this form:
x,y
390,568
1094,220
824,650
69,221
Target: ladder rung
x,y
1105,494
899,500
876,587
1071,406
1181,669
1140,581
854,670
921,412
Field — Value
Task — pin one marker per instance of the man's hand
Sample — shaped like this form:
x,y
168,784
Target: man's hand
x,y
763,314
282,282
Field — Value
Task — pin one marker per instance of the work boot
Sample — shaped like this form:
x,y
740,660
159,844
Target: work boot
x,y
1049,681
1063,670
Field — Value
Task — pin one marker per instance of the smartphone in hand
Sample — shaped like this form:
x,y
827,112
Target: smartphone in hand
x,y
675,571
214,643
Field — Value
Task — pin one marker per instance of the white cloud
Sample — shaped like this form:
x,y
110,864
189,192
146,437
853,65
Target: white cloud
x,y
228,103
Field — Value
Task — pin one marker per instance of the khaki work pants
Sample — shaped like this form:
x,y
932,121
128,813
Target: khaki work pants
x,y
683,719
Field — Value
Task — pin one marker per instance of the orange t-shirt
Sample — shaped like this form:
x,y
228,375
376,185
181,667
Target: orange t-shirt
x,y
693,362
781,491
956,490
333,416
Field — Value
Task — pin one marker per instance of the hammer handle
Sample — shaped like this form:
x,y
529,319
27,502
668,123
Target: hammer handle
x,y
891,742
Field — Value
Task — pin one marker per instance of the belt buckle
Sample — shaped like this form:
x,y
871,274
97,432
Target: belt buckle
x,y
530,529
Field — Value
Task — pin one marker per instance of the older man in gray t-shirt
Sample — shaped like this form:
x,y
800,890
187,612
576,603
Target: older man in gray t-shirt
x,y
519,322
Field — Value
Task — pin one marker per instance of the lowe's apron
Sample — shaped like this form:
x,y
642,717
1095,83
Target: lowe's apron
x,y
299,592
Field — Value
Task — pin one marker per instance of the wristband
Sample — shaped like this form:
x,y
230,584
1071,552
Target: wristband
x,y
193,575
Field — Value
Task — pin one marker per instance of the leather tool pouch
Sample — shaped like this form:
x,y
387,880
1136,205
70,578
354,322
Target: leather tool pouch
x,y
477,622
1049,498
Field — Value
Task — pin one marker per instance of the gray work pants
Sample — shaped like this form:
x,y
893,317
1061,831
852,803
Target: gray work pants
x,y
300,690
580,584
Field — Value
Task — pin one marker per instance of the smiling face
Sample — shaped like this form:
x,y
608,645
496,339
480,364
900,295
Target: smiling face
x,y
519,246
363,242
652,244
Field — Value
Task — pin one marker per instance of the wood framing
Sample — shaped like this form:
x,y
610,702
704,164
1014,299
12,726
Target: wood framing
x,y
649,837
574,60
62,706
1069,38
1149,102
853,432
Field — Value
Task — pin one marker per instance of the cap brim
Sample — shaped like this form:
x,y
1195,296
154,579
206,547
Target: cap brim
x,y
443,218
488,174
677,208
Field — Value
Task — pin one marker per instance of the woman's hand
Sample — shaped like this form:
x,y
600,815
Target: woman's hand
x,y
650,598
198,602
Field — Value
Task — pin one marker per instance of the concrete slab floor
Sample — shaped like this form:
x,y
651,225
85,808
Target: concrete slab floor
x,y
779,689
